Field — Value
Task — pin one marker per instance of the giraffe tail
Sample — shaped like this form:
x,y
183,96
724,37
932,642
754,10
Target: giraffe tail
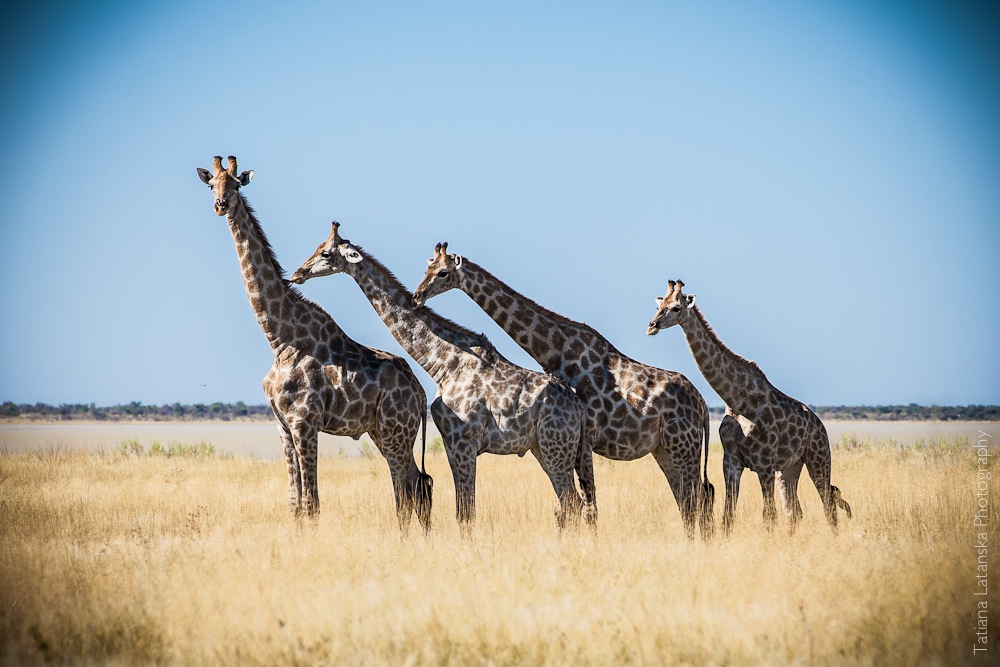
x,y
839,501
424,490
707,490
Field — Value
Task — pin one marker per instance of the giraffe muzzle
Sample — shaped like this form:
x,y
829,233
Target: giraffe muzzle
x,y
652,329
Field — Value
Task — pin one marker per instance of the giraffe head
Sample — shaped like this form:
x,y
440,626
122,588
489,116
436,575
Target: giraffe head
x,y
674,308
224,183
332,256
442,275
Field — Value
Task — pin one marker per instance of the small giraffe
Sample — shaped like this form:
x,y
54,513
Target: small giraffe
x,y
764,429
322,380
485,404
632,409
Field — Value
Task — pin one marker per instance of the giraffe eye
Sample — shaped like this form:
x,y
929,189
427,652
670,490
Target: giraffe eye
x,y
325,254
675,309
443,273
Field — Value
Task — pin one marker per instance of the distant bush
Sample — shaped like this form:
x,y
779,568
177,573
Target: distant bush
x,y
199,450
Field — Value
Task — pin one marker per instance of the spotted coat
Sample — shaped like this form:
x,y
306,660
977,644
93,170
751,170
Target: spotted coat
x,y
485,403
632,409
764,429
321,379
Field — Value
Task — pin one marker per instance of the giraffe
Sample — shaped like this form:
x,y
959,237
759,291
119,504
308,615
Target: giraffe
x,y
632,409
485,403
764,429
321,379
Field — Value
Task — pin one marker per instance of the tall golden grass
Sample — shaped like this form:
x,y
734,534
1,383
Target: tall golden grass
x,y
135,559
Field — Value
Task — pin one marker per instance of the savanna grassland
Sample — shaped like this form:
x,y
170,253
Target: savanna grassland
x,y
191,558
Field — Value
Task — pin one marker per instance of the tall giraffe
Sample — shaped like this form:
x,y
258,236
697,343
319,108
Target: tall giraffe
x,y
632,409
485,404
764,429
321,380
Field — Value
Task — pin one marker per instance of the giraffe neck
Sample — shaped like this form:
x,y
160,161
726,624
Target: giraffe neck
x,y
285,316
437,344
732,377
552,340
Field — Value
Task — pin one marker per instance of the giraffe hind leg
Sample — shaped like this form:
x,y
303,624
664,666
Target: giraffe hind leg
x,y
684,487
818,465
789,490
559,469
402,489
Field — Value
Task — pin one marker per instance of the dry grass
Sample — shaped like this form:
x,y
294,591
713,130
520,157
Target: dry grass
x,y
123,559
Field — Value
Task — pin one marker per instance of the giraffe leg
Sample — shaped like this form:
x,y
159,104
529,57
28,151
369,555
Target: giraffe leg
x,y
585,471
732,470
462,459
399,471
767,490
559,469
755,445
294,471
558,450
789,490
306,446
818,466
731,435
684,487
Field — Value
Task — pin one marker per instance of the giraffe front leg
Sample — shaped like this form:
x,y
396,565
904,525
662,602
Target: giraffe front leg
x,y
732,471
462,459
731,435
294,470
306,446
767,489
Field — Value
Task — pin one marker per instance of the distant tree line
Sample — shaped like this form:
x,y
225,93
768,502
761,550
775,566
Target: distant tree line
x,y
136,411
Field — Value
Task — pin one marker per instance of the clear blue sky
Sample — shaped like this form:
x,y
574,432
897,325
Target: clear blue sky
x,y
825,176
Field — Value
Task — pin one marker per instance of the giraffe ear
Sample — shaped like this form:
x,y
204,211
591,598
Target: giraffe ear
x,y
458,261
430,261
690,300
246,177
659,301
349,253
205,175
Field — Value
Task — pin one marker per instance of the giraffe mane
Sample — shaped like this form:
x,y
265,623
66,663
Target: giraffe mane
x,y
273,259
718,341
271,256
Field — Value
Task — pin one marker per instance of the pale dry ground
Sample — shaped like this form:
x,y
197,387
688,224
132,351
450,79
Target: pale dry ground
x,y
260,438
112,559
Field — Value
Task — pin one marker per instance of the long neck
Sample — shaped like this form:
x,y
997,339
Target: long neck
x,y
731,376
437,344
552,340
276,304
